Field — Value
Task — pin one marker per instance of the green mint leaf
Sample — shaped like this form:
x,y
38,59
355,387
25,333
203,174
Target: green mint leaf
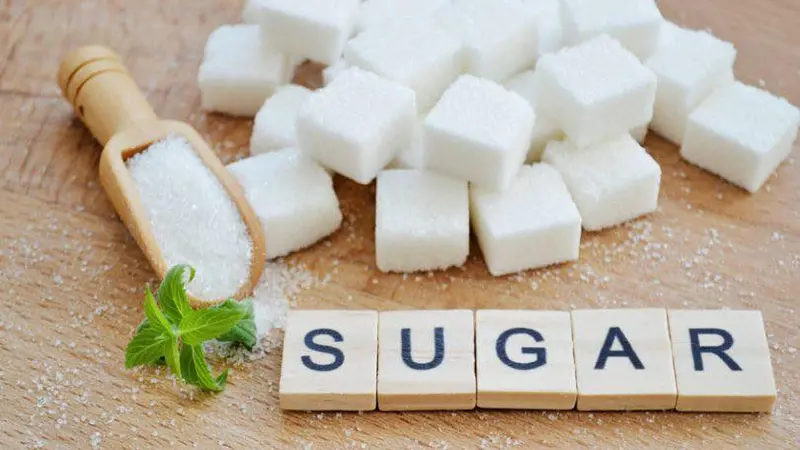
x,y
222,379
154,315
172,293
145,323
244,332
196,371
172,356
147,347
205,324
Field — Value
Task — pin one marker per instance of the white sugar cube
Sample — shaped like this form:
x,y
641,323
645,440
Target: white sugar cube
x,y
669,31
412,156
250,12
357,124
688,70
549,31
545,129
639,134
421,221
238,74
274,127
334,70
596,90
635,23
611,183
380,13
314,29
741,133
478,132
499,36
292,196
417,54
534,223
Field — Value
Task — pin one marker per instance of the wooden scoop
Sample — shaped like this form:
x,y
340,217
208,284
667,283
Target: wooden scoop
x,y
113,108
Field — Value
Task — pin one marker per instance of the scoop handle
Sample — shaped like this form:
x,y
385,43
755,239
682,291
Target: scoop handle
x,y
102,91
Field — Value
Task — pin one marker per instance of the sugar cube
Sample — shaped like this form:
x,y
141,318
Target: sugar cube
x,y
357,124
669,31
381,13
274,126
411,157
238,74
534,223
418,54
742,134
314,29
421,221
549,32
545,129
688,71
250,12
639,134
334,70
611,182
478,132
499,36
635,23
596,90
292,196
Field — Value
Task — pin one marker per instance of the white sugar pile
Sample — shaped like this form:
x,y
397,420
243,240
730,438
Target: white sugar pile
x,y
280,284
194,220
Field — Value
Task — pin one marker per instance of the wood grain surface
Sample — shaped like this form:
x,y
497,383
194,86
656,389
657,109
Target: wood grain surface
x,y
71,275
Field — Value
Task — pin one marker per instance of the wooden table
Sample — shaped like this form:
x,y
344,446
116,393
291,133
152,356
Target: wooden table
x,y
71,276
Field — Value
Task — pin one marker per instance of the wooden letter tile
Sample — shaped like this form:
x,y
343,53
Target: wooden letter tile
x,y
329,361
722,361
426,360
525,360
623,360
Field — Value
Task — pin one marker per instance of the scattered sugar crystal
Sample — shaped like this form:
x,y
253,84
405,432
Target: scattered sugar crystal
x,y
276,292
596,90
314,29
381,13
499,36
292,196
193,219
417,54
741,133
238,73
421,221
357,124
611,183
544,129
478,132
635,23
688,70
274,126
534,223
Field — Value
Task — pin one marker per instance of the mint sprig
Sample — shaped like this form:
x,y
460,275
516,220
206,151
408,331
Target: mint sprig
x,y
173,332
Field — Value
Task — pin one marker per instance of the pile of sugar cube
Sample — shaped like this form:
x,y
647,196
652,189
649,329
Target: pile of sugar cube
x,y
521,120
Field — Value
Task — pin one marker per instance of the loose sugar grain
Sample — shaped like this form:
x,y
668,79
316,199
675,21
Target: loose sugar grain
x,y
194,220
